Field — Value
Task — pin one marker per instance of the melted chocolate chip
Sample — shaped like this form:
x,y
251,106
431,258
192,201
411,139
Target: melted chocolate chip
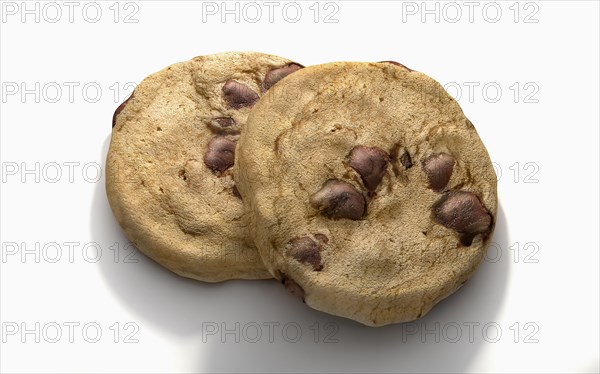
x,y
224,125
338,199
406,160
119,109
293,287
397,64
238,95
464,213
306,251
277,74
220,154
371,163
236,192
438,168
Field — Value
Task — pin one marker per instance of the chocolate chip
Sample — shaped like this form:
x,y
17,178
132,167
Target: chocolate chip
x,y
338,199
238,95
224,125
306,251
220,154
236,192
119,109
406,160
397,64
438,168
371,163
463,212
293,287
275,75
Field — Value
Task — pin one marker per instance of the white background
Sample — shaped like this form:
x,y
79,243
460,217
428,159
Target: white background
x,y
532,306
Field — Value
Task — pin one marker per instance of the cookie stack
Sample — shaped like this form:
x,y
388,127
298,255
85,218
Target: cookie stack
x,y
361,187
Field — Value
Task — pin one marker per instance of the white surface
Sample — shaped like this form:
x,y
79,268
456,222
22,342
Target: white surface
x,y
554,301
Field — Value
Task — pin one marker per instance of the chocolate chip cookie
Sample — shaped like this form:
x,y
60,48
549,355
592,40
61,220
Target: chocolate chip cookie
x,y
169,167
372,195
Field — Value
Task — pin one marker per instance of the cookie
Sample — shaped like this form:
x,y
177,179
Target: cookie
x,y
169,166
373,197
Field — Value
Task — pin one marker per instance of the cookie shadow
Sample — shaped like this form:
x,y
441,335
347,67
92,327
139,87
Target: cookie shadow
x,y
256,326
153,294
447,339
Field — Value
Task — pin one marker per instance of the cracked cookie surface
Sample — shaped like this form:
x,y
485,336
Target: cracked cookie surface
x,y
372,195
169,167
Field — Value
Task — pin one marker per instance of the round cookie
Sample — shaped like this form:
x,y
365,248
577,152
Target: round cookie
x,y
169,167
372,195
